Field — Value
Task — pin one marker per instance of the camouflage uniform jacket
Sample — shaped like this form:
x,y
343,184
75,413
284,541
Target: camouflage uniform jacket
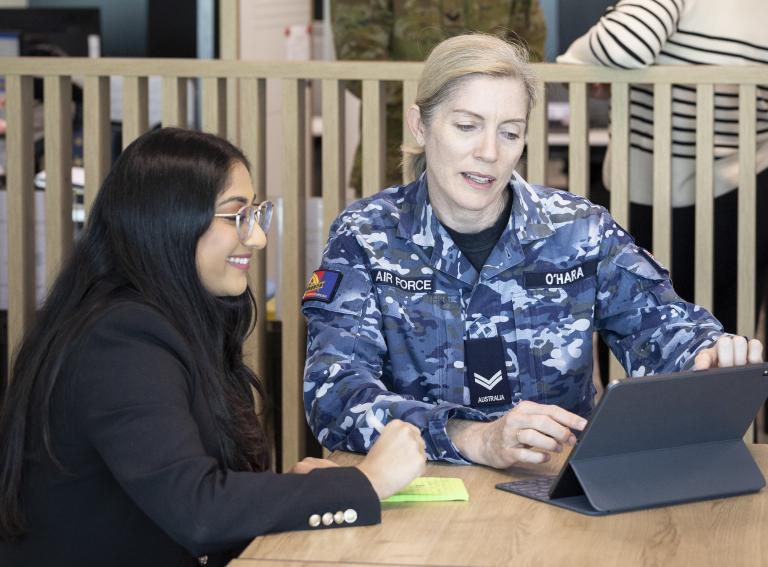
x,y
562,269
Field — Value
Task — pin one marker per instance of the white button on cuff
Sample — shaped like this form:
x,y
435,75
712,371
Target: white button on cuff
x,y
202,560
327,519
338,517
314,520
350,516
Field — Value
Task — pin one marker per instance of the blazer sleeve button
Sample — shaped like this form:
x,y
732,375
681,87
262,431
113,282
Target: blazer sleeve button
x,y
327,519
350,516
202,560
314,520
338,517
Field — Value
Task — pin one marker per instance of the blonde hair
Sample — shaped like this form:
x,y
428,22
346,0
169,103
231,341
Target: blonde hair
x,y
453,61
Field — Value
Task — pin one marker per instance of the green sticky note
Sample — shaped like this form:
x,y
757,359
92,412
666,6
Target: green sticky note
x,y
432,489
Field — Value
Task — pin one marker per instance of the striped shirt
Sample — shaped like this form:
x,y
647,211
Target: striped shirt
x,y
637,33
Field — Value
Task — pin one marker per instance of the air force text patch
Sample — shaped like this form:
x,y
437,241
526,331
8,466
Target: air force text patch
x,y
413,284
322,286
560,278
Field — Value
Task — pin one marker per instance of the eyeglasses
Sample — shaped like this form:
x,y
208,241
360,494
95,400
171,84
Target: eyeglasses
x,y
248,216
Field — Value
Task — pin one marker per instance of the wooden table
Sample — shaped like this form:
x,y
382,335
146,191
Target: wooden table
x,y
499,528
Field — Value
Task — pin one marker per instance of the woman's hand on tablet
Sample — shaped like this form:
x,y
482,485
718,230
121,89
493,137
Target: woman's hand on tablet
x,y
730,350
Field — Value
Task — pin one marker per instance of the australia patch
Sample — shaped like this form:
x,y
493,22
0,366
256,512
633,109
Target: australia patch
x,y
423,284
486,372
322,286
559,278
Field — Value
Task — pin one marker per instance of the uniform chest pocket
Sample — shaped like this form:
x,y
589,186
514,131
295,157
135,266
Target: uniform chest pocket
x,y
562,323
415,313
415,328
562,304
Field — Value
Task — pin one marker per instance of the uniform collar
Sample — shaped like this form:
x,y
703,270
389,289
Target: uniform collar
x,y
531,220
419,225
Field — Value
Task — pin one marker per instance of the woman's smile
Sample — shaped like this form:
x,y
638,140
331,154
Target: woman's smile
x,y
241,261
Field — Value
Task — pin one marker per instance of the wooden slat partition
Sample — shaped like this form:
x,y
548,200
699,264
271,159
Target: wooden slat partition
x,y
373,137
366,70
97,145
410,89
619,133
229,29
293,278
333,152
334,172
58,168
537,141
745,311
220,114
705,193
578,146
747,230
175,102
619,165
253,142
662,173
214,106
304,70
232,101
20,208
229,48
135,108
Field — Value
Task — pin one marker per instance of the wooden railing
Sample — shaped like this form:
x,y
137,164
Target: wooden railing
x,y
229,85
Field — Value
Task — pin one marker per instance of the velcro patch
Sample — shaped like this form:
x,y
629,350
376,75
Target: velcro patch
x,y
486,373
559,278
416,285
322,286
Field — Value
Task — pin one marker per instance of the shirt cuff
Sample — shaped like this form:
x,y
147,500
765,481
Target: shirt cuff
x,y
439,446
709,341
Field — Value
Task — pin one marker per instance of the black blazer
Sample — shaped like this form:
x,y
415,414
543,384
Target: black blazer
x,y
142,485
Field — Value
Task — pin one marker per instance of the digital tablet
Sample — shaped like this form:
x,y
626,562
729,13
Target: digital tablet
x,y
661,440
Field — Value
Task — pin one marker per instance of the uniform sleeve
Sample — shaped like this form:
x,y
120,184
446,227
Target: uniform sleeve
x,y
649,328
346,352
134,392
630,35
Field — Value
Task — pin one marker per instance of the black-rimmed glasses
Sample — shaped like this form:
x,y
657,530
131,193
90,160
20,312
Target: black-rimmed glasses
x,y
248,216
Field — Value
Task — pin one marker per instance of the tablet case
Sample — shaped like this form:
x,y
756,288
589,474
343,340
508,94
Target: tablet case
x,y
661,440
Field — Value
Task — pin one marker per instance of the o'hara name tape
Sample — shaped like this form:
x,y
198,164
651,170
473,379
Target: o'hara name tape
x,y
561,277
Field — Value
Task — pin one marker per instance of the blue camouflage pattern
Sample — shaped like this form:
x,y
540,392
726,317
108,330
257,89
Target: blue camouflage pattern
x,y
400,353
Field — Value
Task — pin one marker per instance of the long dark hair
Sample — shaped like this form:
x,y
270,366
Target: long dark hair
x,y
140,242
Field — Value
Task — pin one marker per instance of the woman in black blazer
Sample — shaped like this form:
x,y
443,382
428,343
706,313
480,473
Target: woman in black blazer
x,y
127,434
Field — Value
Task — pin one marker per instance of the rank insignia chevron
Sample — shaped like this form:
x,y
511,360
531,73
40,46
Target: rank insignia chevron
x,y
488,383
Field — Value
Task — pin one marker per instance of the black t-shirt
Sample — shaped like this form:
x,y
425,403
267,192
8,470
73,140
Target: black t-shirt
x,y
477,246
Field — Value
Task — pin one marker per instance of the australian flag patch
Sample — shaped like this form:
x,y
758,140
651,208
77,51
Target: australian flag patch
x,y
322,286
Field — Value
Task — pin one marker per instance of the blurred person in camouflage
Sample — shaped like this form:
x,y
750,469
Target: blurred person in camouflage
x,y
407,30
465,302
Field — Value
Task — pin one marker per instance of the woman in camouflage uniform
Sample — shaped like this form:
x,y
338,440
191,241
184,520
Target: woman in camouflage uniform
x,y
465,302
